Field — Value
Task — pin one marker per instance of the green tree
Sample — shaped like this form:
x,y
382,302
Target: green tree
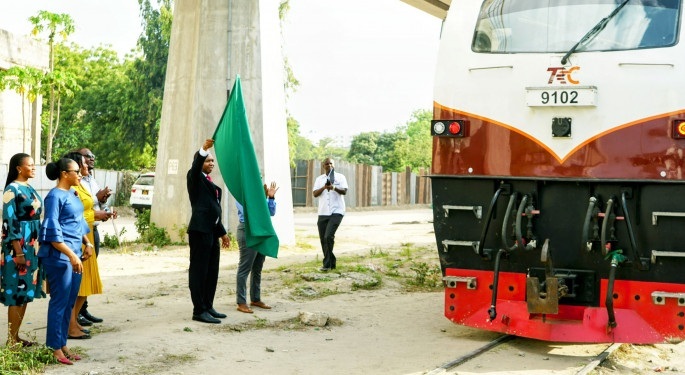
x,y
61,84
363,148
391,153
55,24
408,146
93,117
325,149
420,139
144,105
300,148
117,112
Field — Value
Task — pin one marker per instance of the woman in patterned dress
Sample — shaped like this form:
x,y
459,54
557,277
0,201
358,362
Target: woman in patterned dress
x,y
21,272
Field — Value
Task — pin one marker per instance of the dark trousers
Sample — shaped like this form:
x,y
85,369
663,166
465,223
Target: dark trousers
x,y
328,225
251,263
203,271
96,240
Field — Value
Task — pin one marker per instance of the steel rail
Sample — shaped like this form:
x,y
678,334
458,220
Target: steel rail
x,y
601,357
447,366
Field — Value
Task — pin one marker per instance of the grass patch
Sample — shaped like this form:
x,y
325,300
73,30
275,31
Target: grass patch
x,y
303,245
372,282
165,361
425,276
16,360
411,268
96,329
292,324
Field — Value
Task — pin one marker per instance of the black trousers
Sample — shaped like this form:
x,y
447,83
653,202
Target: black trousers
x,y
328,225
96,240
203,271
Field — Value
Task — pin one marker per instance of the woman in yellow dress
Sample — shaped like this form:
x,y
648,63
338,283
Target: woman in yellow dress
x,y
90,283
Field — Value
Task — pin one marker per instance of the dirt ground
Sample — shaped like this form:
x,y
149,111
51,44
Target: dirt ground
x,y
148,330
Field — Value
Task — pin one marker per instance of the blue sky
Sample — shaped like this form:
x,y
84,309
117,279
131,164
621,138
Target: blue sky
x,y
362,65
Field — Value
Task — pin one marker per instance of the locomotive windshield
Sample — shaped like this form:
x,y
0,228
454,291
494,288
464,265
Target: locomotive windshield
x,y
515,26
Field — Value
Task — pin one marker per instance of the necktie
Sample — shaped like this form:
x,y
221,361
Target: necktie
x,y
215,189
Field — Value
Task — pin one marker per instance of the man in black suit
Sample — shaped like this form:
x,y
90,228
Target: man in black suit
x,y
204,231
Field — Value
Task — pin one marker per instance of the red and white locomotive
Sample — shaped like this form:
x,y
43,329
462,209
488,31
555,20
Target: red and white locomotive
x,y
558,168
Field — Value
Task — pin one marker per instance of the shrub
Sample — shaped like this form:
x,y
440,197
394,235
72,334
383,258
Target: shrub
x,y
149,232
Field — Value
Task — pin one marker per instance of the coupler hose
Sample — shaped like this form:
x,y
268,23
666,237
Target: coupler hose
x,y
585,243
492,311
486,224
616,258
605,236
629,225
505,224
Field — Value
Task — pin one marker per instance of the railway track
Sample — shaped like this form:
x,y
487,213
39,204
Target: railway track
x,y
450,366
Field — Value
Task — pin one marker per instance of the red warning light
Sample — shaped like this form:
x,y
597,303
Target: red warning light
x,y
681,128
449,128
678,129
455,127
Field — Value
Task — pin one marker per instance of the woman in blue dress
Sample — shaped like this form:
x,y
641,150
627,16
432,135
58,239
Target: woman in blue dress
x,y
20,270
62,233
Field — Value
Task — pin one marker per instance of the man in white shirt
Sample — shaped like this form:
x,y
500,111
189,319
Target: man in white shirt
x,y
329,188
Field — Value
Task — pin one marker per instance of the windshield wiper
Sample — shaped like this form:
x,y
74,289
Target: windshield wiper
x,y
594,31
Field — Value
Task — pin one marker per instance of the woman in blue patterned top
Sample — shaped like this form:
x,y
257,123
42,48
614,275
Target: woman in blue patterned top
x,y
22,276
62,233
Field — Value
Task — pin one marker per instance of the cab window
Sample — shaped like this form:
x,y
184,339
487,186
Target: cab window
x,y
520,26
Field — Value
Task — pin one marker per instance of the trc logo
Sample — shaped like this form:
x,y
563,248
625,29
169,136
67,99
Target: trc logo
x,y
562,75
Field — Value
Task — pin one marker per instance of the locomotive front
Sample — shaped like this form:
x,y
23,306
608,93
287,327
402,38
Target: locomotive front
x,y
557,175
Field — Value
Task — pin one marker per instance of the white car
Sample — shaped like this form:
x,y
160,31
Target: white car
x,y
141,191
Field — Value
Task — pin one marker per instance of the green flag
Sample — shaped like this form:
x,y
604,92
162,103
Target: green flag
x,y
238,163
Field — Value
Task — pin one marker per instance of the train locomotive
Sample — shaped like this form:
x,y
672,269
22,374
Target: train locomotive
x,y
558,170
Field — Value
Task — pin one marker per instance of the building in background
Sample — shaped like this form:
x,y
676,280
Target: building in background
x,y
20,132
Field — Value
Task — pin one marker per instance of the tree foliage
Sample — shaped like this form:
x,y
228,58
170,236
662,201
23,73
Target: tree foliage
x,y
420,141
118,109
300,148
408,146
363,148
94,116
147,76
54,24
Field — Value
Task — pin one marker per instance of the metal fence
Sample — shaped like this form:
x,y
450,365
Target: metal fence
x,y
42,184
368,185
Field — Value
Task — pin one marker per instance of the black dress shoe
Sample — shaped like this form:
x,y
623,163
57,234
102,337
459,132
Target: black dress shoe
x,y
84,336
87,315
206,318
83,321
216,314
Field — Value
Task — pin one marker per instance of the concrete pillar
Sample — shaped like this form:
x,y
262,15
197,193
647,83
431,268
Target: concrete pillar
x,y
211,42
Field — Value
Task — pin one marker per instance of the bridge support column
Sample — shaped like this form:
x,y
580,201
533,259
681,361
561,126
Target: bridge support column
x,y
211,42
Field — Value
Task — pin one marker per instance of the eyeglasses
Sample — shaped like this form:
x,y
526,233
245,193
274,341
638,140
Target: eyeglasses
x,y
89,156
78,172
